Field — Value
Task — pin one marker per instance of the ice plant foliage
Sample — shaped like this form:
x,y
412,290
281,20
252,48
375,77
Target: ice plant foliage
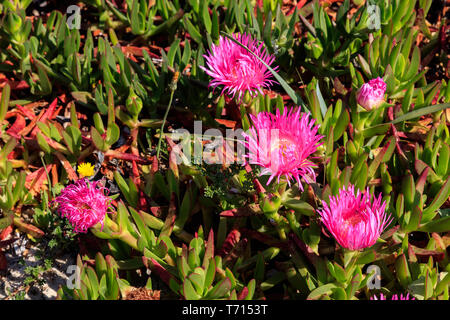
x,y
85,169
150,117
282,143
237,69
84,203
371,94
355,221
394,297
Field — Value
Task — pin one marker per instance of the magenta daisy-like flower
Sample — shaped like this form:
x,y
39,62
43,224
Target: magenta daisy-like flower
x,y
394,297
371,94
237,69
282,143
84,203
355,221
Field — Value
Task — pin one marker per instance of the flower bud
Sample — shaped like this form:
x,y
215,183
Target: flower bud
x,y
269,203
134,104
371,94
247,97
13,23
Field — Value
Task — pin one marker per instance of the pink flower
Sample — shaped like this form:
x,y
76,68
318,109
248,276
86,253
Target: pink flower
x,y
281,144
237,69
84,204
394,297
355,221
371,94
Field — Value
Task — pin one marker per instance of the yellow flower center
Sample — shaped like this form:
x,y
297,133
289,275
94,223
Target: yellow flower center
x,y
86,169
353,220
286,147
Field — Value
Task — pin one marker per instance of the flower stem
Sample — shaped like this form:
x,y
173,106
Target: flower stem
x,y
349,258
173,87
244,118
163,124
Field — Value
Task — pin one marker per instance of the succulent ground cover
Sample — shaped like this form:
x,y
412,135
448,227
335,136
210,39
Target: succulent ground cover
x,y
239,150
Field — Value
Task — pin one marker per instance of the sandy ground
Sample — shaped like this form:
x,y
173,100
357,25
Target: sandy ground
x,y
18,259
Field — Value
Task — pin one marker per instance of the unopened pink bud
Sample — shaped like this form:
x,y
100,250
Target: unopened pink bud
x,y
371,94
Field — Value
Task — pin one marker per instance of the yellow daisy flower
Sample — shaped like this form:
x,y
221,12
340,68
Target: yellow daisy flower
x,y
85,169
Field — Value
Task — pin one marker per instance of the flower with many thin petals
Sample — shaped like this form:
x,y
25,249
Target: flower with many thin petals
x,y
84,203
237,69
371,94
394,297
355,221
282,143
